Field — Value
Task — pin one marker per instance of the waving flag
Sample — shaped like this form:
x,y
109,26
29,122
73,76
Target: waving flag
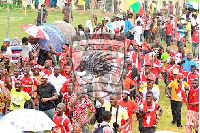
x,y
136,6
193,4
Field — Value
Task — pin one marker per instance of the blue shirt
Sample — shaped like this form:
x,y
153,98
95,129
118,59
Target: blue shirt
x,y
128,26
188,63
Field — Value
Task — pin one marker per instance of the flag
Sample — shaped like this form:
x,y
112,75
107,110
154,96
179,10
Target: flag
x,y
136,6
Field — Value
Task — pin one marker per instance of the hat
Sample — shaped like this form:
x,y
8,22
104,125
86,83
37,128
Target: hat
x,y
106,18
118,16
15,41
151,77
180,76
6,40
45,76
26,59
127,92
7,56
147,64
175,71
171,16
37,66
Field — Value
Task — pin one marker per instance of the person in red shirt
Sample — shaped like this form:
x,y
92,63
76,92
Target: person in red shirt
x,y
195,42
47,69
63,124
130,107
193,74
148,111
192,117
27,84
169,30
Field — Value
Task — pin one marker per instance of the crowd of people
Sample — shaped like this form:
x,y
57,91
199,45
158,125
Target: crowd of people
x,y
110,74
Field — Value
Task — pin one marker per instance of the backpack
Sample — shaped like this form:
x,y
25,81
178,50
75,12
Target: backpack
x,y
100,129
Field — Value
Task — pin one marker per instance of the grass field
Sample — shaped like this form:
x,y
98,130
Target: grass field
x,y
17,19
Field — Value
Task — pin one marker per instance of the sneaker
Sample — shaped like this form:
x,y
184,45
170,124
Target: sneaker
x,y
173,123
180,126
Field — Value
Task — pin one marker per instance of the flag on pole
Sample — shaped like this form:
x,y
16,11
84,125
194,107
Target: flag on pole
x,y
136,6
193,4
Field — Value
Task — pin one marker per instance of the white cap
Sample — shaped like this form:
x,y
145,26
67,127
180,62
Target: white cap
x,y
106,18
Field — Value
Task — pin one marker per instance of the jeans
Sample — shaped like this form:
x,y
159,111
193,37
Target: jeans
x,y
148,130
168,39
195,49
86,129
176,111
49,113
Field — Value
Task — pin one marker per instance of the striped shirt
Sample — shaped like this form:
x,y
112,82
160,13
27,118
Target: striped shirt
x,y
16,50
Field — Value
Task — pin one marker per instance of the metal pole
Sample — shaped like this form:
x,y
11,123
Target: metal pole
x,y
70,13
156,5
92,12
41,16
147,4
112,7
144,7
7,29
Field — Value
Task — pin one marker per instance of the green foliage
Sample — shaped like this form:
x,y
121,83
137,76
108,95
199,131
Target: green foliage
x,y
11,6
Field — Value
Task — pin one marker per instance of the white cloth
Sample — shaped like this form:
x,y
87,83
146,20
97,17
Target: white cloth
x,y
57,82
194,21
154,90
139,19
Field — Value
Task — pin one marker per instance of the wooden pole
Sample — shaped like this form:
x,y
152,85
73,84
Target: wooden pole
x,y
112,7
7,27
41,16
92,12
70,13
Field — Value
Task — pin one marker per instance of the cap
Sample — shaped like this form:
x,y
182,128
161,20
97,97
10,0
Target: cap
x,y
171,16
175,71
7,56
45,76
37,66
180,76
147,64
15,41
127,92
118,16
106,18
43,5
6,40
151,77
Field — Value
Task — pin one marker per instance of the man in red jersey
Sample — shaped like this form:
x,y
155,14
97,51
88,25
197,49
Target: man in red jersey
x,y
148,111
192,117
63,124
130,107
47,67
27,83
193,74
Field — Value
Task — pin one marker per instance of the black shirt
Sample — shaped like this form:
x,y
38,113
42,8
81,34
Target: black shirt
x,y
43,15
46,92
157,51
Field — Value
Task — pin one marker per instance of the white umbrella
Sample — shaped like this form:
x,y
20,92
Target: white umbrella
x,y
29,120
8,128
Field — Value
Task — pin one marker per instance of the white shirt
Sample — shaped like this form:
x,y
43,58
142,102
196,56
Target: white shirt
x,y
137,33
57,82
194,21
155,91
139,19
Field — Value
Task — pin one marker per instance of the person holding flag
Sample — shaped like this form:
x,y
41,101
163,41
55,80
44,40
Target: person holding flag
x,y
178,96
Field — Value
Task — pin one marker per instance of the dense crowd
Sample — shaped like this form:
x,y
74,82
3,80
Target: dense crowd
x,y
107,75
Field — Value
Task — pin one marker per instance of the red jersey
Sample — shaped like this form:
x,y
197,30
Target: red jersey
x,y
193,97
28,83
63,124
191,76
149,119
136,62
129,106
157,68
64,87
129,72
195,37
169,29
48,72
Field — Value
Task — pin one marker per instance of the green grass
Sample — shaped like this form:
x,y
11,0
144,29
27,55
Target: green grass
x,y
17,19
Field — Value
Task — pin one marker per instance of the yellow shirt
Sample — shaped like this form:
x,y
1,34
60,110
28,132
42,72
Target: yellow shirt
x,y
174,85
188,26
122,113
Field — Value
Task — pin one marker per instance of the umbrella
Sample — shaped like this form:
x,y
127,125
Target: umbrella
x,y
29,120
35,31
136,6
193,4
8,128
67,30
56,40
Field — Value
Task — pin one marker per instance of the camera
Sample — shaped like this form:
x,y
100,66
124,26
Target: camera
x,y
115,125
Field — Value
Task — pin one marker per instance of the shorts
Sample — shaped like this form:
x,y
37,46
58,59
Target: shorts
x,y
192,120
147,34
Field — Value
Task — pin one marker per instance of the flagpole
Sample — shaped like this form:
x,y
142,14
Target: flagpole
x,y
92,12
7,27
70,13
41,16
